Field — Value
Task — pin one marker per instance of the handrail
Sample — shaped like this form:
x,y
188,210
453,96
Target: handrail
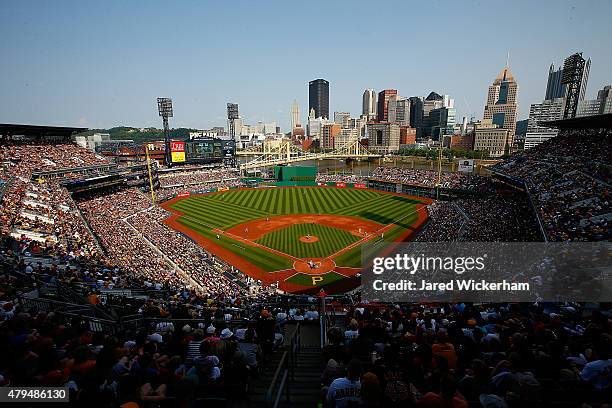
x,y
295,348
323,323
282,367
68,293
536,213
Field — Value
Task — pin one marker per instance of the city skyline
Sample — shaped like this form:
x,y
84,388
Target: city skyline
x,y
98,66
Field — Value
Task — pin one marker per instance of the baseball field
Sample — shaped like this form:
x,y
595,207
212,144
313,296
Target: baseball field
x,y
301,237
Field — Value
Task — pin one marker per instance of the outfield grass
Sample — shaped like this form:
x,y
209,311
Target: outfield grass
x,y
286,240
225,210
257,256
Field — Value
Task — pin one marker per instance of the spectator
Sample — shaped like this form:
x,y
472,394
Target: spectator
x,y
447,397
346,391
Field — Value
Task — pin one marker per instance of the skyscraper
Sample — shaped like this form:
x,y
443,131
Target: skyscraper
x,y
601,105
549,109
399,110
342,118
605,96
432,102
383,137
441,122
383,104
295,115
554,87
329,132
369,103
318,97
585,79
501,102
416,114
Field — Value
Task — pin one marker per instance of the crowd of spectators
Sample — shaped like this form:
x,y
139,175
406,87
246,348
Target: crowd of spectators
x,y
341,178
45,157
452,355
496,218
160,363
184,253
140,244
197,177
568,178
105,213
169,192
429,178
445,223
40,210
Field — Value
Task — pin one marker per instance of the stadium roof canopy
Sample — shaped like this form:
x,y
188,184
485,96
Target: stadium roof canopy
x,y
7,131
584,122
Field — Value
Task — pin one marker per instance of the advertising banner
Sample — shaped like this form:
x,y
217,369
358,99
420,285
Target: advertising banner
x,y
359,185
466,166
342,185
177,150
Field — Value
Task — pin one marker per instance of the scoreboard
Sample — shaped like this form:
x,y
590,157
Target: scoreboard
x,y
209,149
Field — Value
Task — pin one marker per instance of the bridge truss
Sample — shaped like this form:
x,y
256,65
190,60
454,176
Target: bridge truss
x,y
284,152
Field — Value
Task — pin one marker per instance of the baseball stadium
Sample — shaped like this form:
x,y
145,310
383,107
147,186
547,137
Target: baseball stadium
x,y
218,205
143,276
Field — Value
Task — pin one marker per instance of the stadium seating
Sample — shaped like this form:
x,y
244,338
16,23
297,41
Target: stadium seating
x,y
568,178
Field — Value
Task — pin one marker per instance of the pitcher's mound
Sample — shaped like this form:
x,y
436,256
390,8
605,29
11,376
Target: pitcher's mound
x,y
309,239
314,266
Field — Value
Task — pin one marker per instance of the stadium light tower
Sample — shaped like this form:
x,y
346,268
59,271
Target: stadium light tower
x,y
164,107
573,70
232,115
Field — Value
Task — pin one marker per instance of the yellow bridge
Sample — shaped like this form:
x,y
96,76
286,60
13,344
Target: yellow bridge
x,y
276,152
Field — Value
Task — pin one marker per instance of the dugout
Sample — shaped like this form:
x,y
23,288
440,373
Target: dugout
x,y
295,175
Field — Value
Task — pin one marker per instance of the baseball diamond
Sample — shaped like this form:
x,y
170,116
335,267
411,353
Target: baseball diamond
x,y
264,231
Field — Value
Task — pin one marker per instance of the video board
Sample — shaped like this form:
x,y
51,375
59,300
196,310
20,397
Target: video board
x,y
209,149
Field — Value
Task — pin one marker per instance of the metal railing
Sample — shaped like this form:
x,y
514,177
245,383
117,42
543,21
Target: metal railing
x,y
285,372
90,314
536,213
68,312
67,293
295,346
281,377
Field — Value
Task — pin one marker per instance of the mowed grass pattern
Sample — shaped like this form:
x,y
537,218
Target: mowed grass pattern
x,y
255,255
227,209
287,240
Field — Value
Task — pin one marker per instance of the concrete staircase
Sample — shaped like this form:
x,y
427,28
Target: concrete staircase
x,y
259,386
305,388
304,385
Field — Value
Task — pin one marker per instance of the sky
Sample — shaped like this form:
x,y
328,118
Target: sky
x,y
103,64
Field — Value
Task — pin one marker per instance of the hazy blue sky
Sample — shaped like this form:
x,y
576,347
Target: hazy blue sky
x,y
102,64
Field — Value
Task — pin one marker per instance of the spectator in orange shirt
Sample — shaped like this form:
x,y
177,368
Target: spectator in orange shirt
x,y
448,397
93,299
442,348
